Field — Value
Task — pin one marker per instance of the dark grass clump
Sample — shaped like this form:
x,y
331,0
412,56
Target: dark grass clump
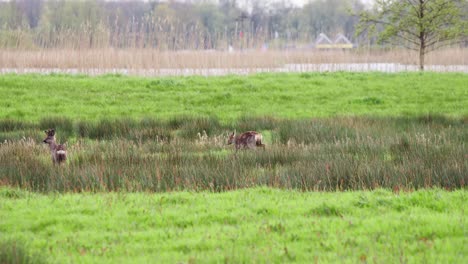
x,y
191,154
15,252
179,121
191,128
12,193
62,124
315,131
7,125
327,210
245,123
108,129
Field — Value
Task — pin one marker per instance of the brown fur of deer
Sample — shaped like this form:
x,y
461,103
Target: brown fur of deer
x,y
57,151
249,139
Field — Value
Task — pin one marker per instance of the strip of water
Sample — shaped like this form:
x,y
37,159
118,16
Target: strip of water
x,y
287,68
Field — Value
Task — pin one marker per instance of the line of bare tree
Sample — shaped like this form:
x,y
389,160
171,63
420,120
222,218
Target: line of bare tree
x,y
172,25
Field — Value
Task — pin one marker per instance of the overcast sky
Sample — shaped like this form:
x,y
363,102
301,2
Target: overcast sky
x,y
295,2
242,2
298,2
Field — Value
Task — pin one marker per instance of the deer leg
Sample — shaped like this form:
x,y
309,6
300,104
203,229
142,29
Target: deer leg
x,y
259,144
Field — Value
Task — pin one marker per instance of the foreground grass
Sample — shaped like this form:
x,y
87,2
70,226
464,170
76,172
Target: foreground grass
x,y
32,97
255,225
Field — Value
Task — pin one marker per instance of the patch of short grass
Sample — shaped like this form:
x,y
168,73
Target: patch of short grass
x,y
33,97
252,225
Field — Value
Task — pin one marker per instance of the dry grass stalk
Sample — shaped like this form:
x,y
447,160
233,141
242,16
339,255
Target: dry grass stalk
x,y
110,58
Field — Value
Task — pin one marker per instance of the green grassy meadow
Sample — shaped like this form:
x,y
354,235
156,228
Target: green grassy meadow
x,y
32,97
358,167
253,225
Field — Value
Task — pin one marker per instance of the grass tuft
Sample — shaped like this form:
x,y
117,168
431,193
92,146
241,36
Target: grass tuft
x,y
15,252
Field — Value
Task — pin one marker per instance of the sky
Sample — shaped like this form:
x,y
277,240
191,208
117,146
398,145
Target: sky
x,y
298,3
242,2
295,2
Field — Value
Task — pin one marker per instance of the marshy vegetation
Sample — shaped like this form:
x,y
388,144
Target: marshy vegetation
x,y
369,131
190,153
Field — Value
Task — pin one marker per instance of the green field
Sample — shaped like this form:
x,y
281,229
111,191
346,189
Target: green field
x,y
32,97
255,225
358,167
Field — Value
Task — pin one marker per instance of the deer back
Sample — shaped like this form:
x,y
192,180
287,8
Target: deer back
x,y
249,138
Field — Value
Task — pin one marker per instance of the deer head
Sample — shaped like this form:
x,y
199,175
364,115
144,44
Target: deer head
x,y
50,136
232,138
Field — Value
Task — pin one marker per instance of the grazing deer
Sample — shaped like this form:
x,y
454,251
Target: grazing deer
x,y
58,152
249,139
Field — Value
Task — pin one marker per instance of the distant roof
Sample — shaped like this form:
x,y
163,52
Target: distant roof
x,y
341,42
341,39
323,39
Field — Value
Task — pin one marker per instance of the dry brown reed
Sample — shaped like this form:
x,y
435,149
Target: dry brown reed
x,y
110,58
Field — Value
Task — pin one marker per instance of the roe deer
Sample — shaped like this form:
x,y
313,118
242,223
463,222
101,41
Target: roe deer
x,y
249,139
58,152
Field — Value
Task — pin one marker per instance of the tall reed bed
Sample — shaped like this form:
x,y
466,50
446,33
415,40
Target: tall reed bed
x,y
191,154
110,58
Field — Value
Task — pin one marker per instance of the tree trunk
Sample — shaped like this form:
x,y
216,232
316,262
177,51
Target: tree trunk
x,y
422,35
421,57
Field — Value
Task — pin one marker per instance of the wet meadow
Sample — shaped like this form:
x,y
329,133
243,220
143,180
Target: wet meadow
x,y
371,165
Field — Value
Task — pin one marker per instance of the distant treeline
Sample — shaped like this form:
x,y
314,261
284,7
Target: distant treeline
x,y
171,25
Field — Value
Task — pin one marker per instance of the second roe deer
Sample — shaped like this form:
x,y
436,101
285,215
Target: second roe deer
x,y
249,139
57,151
